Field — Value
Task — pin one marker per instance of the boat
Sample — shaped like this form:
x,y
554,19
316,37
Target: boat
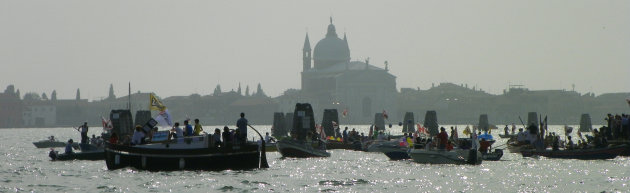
x,y
333,144
52,142
625,142
381,145
582,154
503,136
493,156
300,149
394,151
191,153
271,147
87,152
297,145
455,156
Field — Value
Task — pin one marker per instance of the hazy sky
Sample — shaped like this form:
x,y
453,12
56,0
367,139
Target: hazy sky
x,y
184,47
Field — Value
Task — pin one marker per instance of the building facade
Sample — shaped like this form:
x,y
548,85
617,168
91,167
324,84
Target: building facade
x,y
330,80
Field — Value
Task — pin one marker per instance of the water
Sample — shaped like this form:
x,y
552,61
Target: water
x,y
26,168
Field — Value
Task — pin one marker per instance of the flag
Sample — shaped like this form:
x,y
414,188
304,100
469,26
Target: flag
x,y
466,130
344,113
164,118
385,114
107,124
155,103
422,130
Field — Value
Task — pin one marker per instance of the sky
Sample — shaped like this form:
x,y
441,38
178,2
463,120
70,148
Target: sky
x,y
177,48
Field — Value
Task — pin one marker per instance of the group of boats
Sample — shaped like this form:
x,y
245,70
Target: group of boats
x,y
200,153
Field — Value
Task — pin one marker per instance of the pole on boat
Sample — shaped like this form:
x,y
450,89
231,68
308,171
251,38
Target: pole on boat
x,y
129,101
262,158
524,127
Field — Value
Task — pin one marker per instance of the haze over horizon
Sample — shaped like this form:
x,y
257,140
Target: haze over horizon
x,y
177,48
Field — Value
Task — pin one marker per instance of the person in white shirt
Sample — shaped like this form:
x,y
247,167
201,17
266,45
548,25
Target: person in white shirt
x,y
177,132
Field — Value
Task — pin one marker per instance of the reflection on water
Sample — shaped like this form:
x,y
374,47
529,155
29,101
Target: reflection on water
x,y
26,168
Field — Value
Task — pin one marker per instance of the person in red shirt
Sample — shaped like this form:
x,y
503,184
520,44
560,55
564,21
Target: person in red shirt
x,y
484,146
113,139
443,138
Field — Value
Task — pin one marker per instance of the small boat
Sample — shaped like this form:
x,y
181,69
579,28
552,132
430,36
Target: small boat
x,y
52,142
193,153
381,145
455,156
271,147
332,144
300,149
493,156
298,146
396,152
582,154
503,136
88,152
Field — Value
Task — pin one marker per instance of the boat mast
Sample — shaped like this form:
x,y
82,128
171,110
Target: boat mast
x,y
129,101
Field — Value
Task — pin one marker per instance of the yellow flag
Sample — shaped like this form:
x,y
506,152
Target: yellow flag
x,y
155,103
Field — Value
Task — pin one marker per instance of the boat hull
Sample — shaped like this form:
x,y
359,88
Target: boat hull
x,y
493,156
292,148
582,154
90,155
240,157
472,157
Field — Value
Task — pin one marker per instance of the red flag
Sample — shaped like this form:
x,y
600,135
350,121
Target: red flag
x,y
385,114
345,113
107,124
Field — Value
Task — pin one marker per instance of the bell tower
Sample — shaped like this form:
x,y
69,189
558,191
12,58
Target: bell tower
x,y
306,55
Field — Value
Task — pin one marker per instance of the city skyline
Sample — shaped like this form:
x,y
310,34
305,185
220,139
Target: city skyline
x,y
181,48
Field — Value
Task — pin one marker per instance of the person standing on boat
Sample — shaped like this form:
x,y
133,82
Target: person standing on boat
x,y
84,131
505,129
242,128
345,135
513,128
198,128
443,138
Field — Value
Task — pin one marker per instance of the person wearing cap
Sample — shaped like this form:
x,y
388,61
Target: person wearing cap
x,y
69,147
241,124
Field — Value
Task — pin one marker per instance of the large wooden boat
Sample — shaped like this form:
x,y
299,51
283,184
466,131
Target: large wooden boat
x,y
583,154
194,154
455,156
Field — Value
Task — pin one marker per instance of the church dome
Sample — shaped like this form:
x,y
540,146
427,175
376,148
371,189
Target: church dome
x,y
331,50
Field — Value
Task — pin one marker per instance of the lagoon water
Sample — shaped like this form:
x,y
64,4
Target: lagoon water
x,y
26,168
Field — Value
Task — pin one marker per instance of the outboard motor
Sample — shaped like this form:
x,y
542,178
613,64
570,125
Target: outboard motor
x,y
53,154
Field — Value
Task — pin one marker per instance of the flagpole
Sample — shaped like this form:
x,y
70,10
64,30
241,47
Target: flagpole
x,y
129,101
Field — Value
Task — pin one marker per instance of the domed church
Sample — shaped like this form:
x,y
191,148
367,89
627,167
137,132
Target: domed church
x,y
332,80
